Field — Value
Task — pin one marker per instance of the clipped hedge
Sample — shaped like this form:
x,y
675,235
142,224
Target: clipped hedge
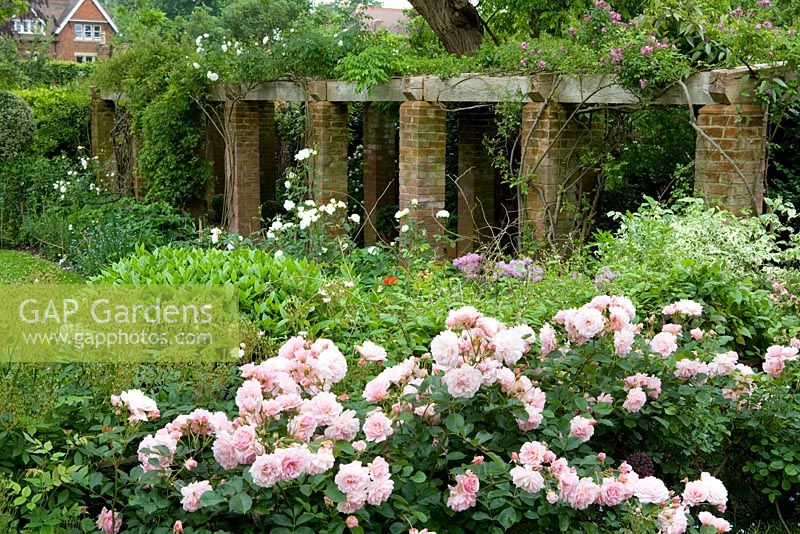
x,y
17,125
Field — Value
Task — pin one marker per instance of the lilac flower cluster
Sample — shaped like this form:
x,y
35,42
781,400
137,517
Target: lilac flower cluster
x,y
521,269
470,264
605,276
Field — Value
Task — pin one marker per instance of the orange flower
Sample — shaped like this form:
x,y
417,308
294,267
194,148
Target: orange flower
x,y
390,280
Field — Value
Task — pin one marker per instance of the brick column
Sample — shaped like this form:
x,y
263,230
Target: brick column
x,y
268,152
102,125
476,178
423,138
244,163
549,158
380,167
329,138
739,131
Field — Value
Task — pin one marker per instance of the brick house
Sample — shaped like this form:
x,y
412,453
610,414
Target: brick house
x,y
74,30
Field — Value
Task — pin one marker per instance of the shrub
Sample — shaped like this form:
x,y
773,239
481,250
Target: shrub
x,y
277,294
690,251
17,125
62,119
495,428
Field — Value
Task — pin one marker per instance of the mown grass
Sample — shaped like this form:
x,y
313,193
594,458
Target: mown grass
x,y
17,267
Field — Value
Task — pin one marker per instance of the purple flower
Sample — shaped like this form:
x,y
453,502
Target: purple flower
x,y
469,264
764,3
792,32
520,269
616,55
542,64
646,50
602,5
643,83
768,25
524,45
616,17
738,12
605,276
571,31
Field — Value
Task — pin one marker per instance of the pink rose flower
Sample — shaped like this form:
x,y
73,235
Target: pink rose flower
x,y
463,382
527,479
547,339
192,493
109,521
673,520
651,490
265,471
445,349
612,492
292,461
177,527
377,427
465,317
581,428
351,522
224,451
344,427
509,346
352,478
140,405
695,493
533,453
635,400
697,334
584,494
372,352
664,344
717,493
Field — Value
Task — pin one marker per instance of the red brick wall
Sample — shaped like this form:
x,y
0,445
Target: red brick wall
x,y
66,46
102,123
380,167
476,178
739,132
423,140
550,157
245,124
329,139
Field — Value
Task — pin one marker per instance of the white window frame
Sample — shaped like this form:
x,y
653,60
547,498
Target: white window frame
x,y
85,57
28,26
88,31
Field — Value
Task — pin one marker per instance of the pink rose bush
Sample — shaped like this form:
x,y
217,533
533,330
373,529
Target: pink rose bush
x,y
494,415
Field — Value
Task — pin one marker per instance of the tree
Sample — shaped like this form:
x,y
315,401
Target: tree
x,y
456,22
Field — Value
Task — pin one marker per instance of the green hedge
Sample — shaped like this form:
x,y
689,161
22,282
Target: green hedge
x,y
16,125
62,119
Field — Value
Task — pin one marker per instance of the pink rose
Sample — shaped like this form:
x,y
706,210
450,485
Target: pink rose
x,y
177,527
351,522
612,492
192,493
547,339
664,344
379,490
109,521
265,471
372,352
581,428
635,400
463,382
584,494
377,427
465,317
224,451
292,461
344,427
697,334
695,493
651,490
673,520
527,479
445,349
533,453
352,478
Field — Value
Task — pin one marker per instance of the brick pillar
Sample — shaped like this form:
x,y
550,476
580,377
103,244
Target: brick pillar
x,y
268,152
423,138
380,167
102,125
476,178
244,163
550,160
329,138
739,131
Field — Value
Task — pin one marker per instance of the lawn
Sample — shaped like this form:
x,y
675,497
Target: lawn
x,y
17,267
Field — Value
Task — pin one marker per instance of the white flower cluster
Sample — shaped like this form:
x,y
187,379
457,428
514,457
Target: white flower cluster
x,y
305,154
61,186
308,213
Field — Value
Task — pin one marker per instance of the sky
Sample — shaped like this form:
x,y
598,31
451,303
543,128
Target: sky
x,y
397,4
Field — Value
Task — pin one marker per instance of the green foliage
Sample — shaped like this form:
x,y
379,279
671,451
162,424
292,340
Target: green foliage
x,y
276,294
170,156
373,65
661,255
62,119
17,126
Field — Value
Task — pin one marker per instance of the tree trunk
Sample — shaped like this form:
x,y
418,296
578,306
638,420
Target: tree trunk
x,y
456,22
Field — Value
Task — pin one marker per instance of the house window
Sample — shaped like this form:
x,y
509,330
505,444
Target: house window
x,y
28,26
87,32
85,58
